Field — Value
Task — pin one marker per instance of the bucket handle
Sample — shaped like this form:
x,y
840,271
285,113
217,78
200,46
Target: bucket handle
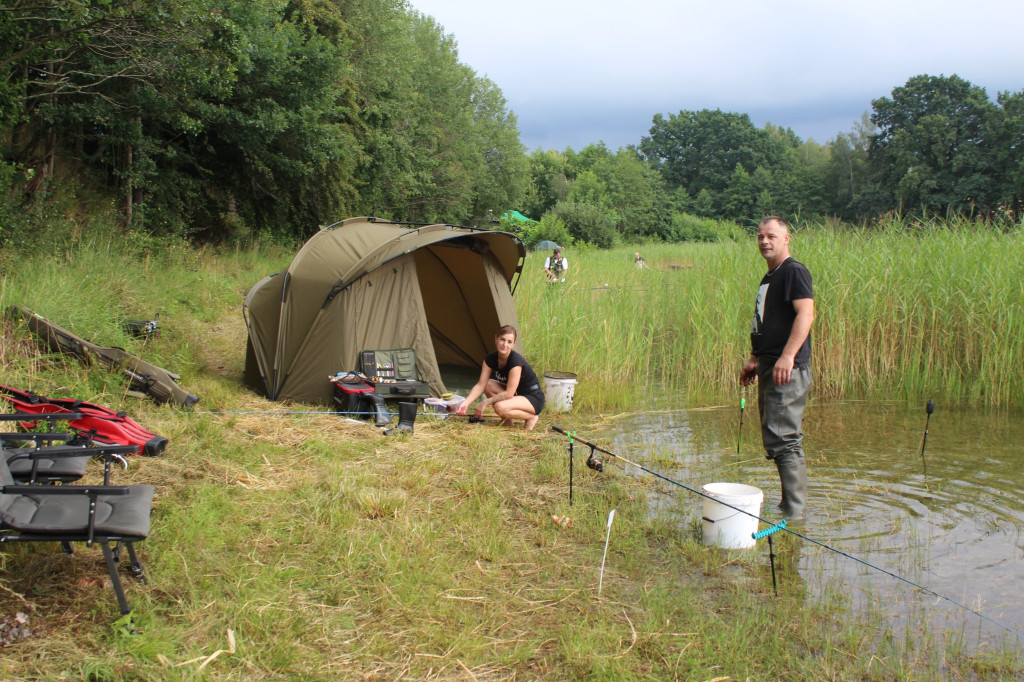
x,y
724,518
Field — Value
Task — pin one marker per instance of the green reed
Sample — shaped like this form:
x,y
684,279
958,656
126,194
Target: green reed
x,y
902,311
329,552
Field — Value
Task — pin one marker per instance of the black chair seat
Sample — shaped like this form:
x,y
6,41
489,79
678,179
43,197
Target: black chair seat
x,y
61,469
116,516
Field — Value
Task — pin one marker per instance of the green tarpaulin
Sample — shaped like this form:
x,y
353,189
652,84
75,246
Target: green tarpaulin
x,y
516,217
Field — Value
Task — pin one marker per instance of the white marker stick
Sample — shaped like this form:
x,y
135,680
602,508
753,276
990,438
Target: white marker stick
x,y
600,582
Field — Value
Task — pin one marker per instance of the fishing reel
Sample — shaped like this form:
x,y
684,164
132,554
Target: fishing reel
x,y
595,461
142,329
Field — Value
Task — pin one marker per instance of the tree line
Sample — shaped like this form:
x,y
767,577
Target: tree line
x,y
212,116
217,118
937,146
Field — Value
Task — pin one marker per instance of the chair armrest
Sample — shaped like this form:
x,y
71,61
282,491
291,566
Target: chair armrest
x,y
9,436
55,453
107,452
41,416
90,490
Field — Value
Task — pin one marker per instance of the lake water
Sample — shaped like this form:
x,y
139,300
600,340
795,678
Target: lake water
x,y
956,531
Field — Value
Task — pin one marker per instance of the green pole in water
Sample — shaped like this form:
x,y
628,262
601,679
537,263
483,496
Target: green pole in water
x,y
929,408
739,437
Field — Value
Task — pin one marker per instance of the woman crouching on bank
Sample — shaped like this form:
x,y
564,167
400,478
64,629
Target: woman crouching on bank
x,y
509,384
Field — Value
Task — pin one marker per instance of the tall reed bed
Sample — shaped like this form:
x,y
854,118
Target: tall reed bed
x,y
902,312
89,281
328,552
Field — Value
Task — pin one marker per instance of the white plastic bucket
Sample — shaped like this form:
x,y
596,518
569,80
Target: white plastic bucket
x,y
559,388
724,526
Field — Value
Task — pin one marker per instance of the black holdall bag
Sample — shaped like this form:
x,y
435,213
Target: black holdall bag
x,y
156,382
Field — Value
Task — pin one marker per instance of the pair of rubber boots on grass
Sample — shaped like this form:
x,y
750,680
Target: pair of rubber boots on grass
x,y
793,476
372,404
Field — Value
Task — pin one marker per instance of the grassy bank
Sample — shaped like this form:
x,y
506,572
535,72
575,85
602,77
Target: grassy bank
x,y
902,312
329,552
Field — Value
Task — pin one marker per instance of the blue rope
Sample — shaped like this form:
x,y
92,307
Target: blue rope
x,y
363,414
840,552
268,412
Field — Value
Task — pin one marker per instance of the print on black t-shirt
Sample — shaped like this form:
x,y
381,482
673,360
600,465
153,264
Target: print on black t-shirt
x,y
774,312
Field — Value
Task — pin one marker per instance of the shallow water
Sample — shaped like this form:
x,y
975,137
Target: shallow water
x,y
956,531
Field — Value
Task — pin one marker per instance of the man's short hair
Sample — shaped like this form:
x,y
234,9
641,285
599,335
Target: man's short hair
x,y
558,251
779,220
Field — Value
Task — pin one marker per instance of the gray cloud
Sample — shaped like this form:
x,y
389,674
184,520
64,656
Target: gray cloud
x,y
579,71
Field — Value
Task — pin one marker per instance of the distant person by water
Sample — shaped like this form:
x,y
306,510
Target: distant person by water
x,y
555,266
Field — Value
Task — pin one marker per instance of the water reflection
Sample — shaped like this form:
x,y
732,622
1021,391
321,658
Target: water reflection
x,y
956,530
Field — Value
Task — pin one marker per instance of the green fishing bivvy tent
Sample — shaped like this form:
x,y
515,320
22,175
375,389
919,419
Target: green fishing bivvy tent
x,y
366,283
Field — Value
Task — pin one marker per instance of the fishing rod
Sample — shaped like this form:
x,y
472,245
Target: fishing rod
x,y
598,465
782,527
637,287
471,418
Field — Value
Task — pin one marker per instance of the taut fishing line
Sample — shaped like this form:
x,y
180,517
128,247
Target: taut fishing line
x,y
781,527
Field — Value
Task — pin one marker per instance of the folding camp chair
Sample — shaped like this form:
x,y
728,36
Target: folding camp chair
x,y
110,516
62,464
38,469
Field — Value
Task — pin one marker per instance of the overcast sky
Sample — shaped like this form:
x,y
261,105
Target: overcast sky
x,y
580,71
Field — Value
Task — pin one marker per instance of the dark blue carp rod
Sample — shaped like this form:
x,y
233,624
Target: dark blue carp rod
x,y
596,463
774,528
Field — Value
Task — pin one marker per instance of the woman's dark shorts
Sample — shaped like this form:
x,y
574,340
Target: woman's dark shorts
x,y
537,400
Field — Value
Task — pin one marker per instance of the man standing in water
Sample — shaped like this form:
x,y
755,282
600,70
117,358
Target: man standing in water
x,y
779,362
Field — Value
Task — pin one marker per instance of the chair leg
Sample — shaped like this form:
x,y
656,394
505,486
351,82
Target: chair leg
x,y
135,564
66,547
115,579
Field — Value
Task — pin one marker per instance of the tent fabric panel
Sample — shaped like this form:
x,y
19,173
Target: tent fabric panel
x,y
359,245
382,310
252,375
504,306
262,312
322,262
453,298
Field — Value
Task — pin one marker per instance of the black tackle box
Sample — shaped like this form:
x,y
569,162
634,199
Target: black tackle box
x,y
393,373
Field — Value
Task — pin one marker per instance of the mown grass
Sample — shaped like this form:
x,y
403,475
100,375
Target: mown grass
x,y
328,551
905,312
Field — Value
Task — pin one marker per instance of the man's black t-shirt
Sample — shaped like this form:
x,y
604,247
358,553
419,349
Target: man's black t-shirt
x,y
774,312
528,382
